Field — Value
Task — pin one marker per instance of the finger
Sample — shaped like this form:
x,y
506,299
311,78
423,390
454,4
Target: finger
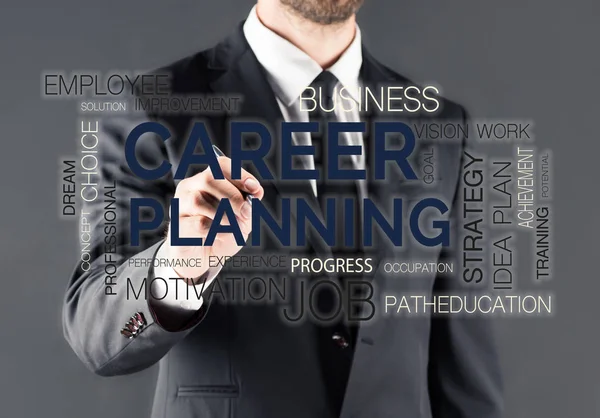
x,y
199,226
205,184
198,203
223,189
194,226
244,225
247,182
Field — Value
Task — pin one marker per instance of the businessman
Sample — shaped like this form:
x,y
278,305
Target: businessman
x,y
245,360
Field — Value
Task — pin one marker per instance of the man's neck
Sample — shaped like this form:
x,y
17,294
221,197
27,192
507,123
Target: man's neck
x,y
323,43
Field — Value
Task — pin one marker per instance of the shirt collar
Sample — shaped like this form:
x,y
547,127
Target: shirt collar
x,y
290,70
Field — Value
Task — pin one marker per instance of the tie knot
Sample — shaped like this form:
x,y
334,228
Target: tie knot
x,y
325,79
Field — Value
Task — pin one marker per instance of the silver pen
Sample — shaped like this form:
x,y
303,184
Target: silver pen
x,y
246,195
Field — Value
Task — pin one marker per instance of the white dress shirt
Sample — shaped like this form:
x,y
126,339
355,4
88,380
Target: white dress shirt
x,y
289,71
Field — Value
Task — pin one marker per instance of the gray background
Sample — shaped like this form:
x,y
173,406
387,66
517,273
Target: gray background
x,y
510,59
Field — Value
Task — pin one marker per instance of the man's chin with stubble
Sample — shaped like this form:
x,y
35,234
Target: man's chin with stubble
x,y
323,12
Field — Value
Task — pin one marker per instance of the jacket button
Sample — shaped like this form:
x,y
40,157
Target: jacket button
x,y
339,340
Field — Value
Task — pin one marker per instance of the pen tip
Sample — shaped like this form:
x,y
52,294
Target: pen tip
x,y
218,151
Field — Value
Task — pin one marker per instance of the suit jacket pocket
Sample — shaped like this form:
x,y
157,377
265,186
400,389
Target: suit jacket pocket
x,y
208,391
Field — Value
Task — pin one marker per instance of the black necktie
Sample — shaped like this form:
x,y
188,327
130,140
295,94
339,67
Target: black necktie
x,y
324,87
336,358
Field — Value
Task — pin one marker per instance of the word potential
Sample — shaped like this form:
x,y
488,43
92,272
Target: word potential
x,y
304,212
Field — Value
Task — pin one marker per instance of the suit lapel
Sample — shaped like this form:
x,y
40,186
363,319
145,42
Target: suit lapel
x,y
243,76
380,338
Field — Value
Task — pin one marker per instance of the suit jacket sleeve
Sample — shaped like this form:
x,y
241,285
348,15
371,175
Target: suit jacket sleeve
x,y
92,319
464,370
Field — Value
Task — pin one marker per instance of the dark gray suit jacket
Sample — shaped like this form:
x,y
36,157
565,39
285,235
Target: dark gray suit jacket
x,y
243,360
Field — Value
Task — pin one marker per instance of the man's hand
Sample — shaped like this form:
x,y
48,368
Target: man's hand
x,y
199,197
